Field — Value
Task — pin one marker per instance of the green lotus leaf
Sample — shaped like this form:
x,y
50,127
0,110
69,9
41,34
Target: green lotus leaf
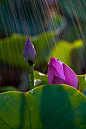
x,y
49,106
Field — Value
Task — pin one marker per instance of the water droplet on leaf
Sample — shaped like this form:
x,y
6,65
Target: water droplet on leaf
x,y
6,96
57,58
31,91
61,63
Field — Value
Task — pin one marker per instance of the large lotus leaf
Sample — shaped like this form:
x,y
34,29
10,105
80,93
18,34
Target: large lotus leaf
x,y
49,106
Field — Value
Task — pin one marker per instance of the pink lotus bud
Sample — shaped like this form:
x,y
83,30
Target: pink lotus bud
x,y
60,73
29,52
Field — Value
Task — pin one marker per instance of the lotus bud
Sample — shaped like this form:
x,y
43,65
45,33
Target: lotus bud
x,y
60,73
29,52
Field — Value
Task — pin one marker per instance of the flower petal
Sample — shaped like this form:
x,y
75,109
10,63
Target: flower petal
x,y
70,76
51,73
58,65
57,80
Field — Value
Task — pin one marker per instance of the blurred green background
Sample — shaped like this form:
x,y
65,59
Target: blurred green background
x,y
55,27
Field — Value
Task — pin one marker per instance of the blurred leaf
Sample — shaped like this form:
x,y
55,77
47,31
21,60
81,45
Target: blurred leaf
x,y
82,82
43,43
37,82
75,9
49,106
8,88
46,46
68,53
41,76
77,56
62,50
12,49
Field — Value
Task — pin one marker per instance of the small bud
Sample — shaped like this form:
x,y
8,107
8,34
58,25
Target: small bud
x,y
29,52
